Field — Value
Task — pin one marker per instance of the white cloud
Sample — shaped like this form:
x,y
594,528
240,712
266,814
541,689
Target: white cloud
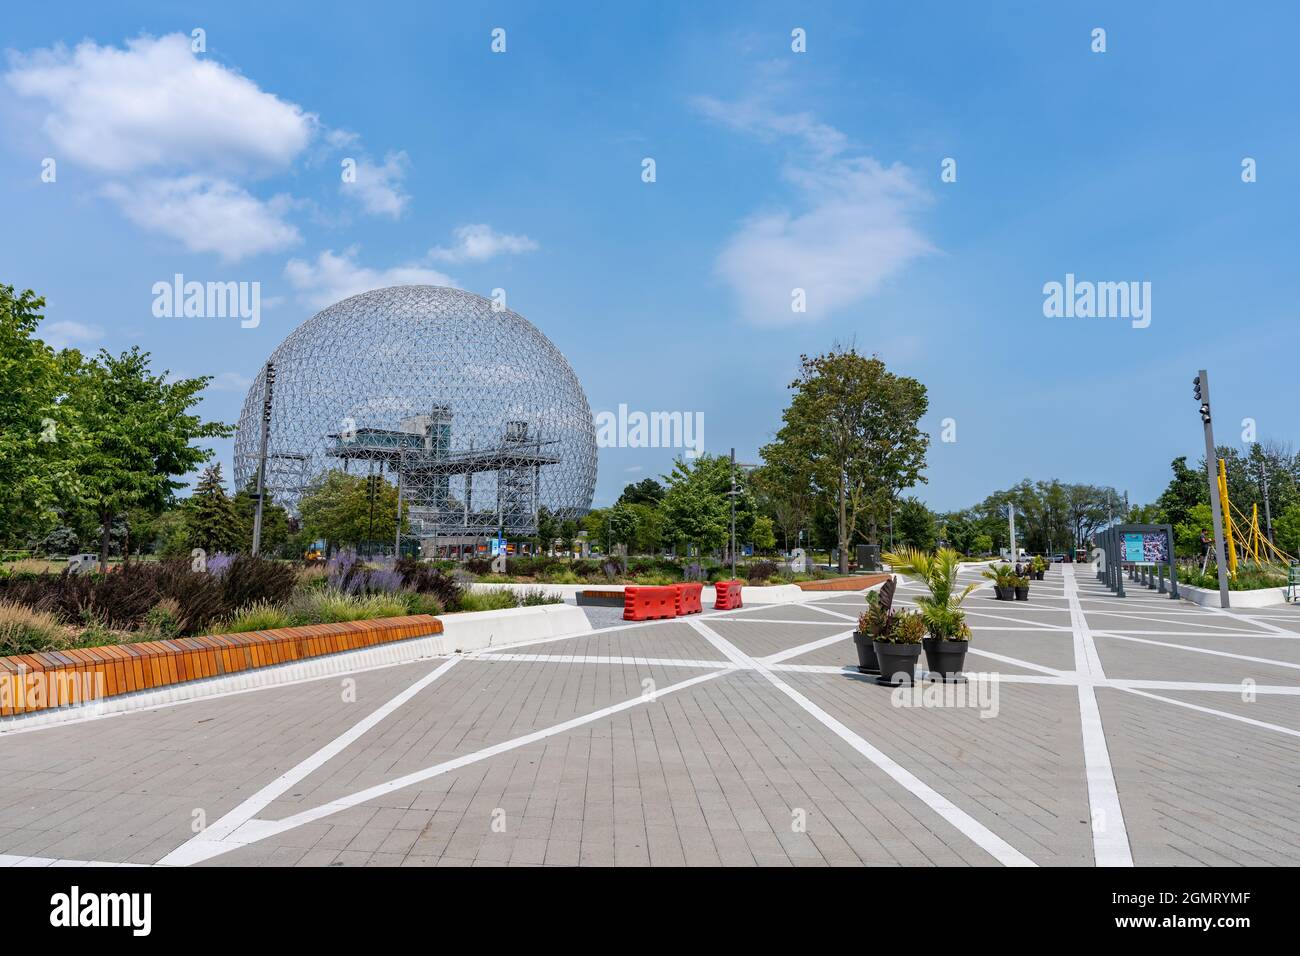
x,y
379,188
157,104
478,243
208,215
750,116
230,382
333,277
66,334
853,229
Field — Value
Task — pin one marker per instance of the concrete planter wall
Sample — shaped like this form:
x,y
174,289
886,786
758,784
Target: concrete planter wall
x,y
1262,597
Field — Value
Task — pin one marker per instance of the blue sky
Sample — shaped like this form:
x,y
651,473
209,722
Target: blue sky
x,y
774,169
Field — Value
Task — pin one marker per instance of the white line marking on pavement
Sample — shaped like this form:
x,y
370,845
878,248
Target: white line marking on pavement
x,y
1110,844
977,832
222,828
586,659
1216,713
805,648
254,830
1199,650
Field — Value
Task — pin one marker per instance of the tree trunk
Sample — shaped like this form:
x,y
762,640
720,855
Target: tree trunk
x,y
843,533
107,519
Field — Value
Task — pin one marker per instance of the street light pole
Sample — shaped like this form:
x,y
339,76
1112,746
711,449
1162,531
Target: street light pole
x,y
1201,391
1268,514
268,388
733,514
1011,519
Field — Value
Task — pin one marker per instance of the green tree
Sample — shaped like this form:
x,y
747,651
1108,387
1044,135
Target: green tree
x,y
697,503
1185,491
133,432
36,454
275,520
851,427
211,521
763,534
548,528
348,509
649,535
647,491
915,525
1286,528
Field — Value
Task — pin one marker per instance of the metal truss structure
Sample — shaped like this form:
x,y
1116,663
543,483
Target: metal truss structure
x,y
468,409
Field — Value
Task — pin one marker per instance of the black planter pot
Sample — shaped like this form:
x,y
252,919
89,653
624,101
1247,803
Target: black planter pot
x,y
1004,594
1022,594
867,663
897,661
945,658
1038,575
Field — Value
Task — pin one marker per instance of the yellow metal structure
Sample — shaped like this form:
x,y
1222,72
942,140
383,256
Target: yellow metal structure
x,y
1229,539
1255,545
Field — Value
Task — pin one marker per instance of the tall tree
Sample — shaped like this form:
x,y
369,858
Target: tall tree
x,y
348,509
134,431
36,452
852,424
697,504
211,520
275,520
647,491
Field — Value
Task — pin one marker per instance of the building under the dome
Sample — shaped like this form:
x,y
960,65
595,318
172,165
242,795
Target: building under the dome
x,y
467,408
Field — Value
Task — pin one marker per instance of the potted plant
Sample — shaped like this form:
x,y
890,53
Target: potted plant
x,y
871,622
941,614
899,646
1022,588
1038,567
1003,577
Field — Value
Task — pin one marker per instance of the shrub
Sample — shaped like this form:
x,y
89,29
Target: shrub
x,y
329,606
496,599
250,580
200,597
417,603
262,616
313,576
563,576
760,571
535,596
478,565
163,620
24,630
428,579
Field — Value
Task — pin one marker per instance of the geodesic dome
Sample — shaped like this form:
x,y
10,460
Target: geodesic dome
x,y
471,412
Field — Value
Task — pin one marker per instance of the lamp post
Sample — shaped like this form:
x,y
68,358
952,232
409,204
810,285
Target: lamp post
x,y
1201,392
268,389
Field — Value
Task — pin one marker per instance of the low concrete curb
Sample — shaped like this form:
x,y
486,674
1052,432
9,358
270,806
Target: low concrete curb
x,y
1262,597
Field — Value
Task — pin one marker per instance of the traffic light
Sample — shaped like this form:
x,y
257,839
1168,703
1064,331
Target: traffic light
x,y
1196,388
1205,413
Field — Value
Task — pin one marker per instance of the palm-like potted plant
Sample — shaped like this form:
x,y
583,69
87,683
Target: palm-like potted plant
x,y
871,622
1038,566
1003,577
940,612
1022,588
899,646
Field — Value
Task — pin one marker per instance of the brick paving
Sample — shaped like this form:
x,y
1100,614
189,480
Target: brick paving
x,y
1091,727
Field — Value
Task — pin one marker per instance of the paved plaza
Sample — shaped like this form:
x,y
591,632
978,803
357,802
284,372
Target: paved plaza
x,y
1092,730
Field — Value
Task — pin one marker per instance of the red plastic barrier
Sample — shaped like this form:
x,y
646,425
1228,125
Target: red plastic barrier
x,y
689,598
649,603
728,595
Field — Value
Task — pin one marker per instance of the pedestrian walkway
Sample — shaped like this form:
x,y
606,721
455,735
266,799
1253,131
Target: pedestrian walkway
x,y
1091,730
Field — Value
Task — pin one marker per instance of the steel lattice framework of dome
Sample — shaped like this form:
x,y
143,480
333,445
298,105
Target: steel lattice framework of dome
x,y
475,416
